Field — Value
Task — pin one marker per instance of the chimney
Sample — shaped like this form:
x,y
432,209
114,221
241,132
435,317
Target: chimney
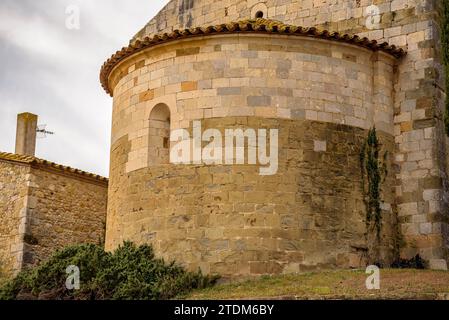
x,y
26,134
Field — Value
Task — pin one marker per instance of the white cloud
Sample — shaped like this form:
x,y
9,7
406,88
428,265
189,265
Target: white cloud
x,y
52,71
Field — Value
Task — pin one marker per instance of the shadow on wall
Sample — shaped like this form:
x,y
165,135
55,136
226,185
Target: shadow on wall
x,y
159,135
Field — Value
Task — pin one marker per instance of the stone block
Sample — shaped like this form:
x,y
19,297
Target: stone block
x,y
189,86
438,264
319,146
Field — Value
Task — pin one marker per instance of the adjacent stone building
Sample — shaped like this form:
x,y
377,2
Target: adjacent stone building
x,y
45,206
281,64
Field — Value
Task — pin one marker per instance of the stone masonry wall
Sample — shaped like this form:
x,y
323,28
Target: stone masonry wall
x,y
13,195
63,210
250,75
312,87
232,221
43,209
421,147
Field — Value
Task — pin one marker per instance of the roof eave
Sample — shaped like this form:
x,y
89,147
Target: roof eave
x,y
247,26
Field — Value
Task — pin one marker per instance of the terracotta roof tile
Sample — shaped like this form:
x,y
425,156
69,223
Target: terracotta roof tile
x,y
18,158
245,26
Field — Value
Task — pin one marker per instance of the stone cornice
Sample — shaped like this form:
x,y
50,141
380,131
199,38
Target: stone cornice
x,y
247,26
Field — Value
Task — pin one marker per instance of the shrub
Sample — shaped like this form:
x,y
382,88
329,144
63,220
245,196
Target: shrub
x,y
129,273
414,263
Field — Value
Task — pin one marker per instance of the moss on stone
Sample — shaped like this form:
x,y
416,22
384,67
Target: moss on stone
x,y
445,49
373,171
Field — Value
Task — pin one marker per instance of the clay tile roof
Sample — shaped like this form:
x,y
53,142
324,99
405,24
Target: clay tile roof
x,y
245,26
18,158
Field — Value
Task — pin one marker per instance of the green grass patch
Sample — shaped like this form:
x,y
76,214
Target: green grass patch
x,y
342,284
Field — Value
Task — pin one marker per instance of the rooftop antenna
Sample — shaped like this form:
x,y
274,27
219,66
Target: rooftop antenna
x,y
42,132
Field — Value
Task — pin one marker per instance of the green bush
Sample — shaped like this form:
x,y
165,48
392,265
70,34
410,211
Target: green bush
x,y
129,273
414,263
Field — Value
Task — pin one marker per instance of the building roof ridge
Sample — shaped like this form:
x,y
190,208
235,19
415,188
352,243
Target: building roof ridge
x,y
259,25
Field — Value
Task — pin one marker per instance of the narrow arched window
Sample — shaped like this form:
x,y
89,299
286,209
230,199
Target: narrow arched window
x,y
159,135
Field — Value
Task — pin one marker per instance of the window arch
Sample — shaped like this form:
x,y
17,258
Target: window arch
x,y
260,10
159,135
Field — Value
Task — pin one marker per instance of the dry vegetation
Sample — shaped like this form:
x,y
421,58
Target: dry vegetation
x,y
347,284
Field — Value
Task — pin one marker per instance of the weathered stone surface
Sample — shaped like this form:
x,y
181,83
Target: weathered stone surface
x,y
231,220
282,78
438,264
316,86
43,210
13,194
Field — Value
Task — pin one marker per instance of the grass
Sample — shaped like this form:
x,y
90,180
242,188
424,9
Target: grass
x,y
344,284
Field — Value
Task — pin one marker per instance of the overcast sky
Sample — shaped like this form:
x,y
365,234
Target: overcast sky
x,y
52,71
